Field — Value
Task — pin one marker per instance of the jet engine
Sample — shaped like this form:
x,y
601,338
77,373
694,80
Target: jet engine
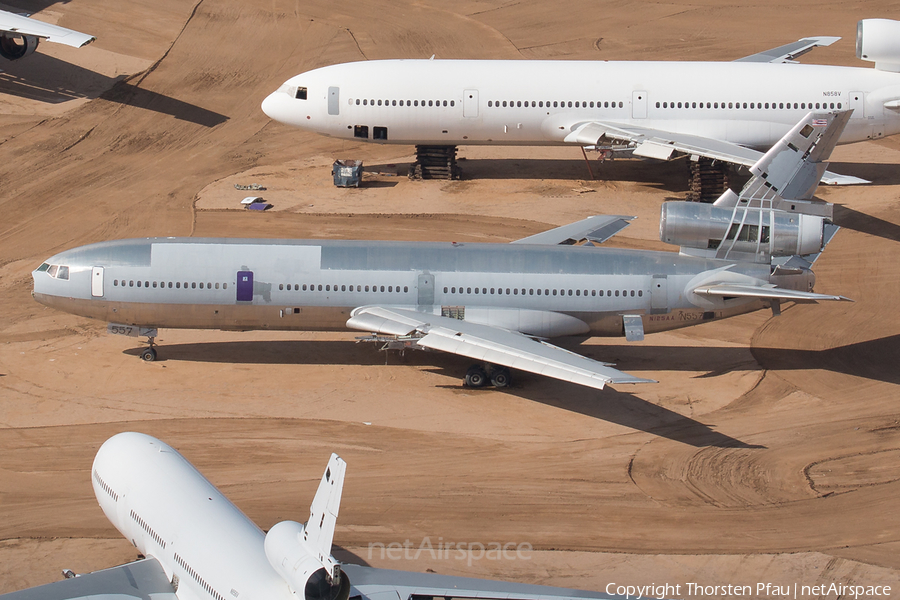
x,y
14,47
306,574
738,232
878,41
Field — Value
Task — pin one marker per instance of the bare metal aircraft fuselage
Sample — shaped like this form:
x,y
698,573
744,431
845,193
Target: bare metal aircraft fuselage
x,y
242,284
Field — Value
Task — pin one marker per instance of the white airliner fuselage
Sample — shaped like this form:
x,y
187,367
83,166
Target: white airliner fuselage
x,y
457,102
200,546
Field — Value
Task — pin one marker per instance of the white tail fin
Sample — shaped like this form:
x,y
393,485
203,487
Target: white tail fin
x,y
323,513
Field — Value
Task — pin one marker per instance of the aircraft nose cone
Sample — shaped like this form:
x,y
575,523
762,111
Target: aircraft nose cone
x,y
277,107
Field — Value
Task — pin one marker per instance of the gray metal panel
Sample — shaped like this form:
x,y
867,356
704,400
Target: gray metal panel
x,y
334,101
135,580
634,328
425,288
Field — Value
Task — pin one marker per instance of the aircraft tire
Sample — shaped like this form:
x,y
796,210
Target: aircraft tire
x,y
500,377
475,377
148,355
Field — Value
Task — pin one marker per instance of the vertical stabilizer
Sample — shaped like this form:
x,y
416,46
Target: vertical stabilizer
x,y
791,170
323,512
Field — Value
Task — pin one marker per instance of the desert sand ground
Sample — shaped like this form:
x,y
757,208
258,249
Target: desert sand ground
x,y
768,452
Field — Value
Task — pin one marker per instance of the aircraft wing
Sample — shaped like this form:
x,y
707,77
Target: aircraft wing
x,y
598,228
489,344
662,145
386,584
134,581
789,52
18,24
763,293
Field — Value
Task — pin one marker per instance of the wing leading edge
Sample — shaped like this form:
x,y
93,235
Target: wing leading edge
x,y
489,344
19,25
135,581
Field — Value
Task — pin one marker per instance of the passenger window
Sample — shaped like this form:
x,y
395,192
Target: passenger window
x,y
178,285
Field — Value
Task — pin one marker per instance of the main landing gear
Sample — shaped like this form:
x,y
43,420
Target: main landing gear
x,y
478,377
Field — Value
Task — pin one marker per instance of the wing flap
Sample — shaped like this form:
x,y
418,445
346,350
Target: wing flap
x,y
763,293
661,145
499,346
598,228
134,581
19,24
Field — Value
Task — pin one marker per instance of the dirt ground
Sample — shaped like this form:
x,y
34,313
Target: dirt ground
x,y
768,451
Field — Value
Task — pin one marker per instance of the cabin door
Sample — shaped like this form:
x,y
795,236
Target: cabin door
x,y
245,286
639,105
97,282
858,104
659,294
470,104
426,289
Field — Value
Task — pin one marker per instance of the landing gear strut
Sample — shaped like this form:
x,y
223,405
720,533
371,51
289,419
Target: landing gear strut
x,y
477,376
148,354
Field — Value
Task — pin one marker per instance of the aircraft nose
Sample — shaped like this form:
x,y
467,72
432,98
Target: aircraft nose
x,y
277,106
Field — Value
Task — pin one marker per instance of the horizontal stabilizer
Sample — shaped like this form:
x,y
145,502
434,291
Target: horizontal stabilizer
x,y
763,293
491,344
598,229
789,52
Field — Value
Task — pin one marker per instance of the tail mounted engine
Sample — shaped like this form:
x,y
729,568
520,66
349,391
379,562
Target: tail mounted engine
x,y
14,47
301,554
306,575
740,233
878,41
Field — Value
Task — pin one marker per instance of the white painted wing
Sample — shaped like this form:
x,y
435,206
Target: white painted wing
x,y
134,581
662,145
323,512
14,23
762,292
598,228
490,344
791,51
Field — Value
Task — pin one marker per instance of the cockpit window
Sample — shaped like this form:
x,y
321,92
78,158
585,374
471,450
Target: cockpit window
x,y
301,93
55,271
